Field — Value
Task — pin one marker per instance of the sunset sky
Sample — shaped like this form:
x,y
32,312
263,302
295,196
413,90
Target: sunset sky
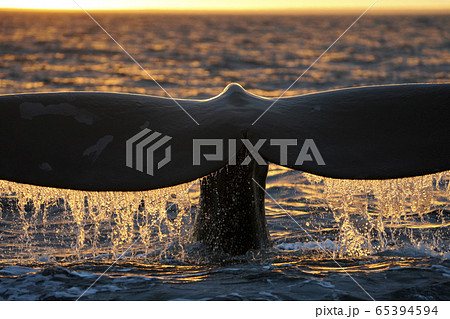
x,y
228,4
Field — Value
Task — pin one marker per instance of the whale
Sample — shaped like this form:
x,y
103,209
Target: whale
x,y
77,140
102,141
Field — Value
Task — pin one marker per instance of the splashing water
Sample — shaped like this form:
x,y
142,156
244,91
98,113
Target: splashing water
x,y
374,215
46,224
38,223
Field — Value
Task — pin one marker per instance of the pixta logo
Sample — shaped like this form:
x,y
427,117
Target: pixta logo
x,y
140,150
142,147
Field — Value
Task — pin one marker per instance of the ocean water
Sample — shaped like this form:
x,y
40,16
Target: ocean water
x,y
392,237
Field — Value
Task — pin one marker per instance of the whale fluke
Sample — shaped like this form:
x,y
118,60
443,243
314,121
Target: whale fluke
x,y
378,132
78,140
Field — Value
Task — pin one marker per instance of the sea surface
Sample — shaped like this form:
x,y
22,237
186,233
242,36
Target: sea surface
x,y
386,240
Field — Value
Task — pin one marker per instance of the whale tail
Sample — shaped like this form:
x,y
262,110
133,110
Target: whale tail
x,y
378,132
127,142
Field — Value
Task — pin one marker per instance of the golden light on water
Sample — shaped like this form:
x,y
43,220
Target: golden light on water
x,y
99,223
225,5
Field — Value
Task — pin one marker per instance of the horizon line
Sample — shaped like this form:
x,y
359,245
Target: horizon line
x,y
284,11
